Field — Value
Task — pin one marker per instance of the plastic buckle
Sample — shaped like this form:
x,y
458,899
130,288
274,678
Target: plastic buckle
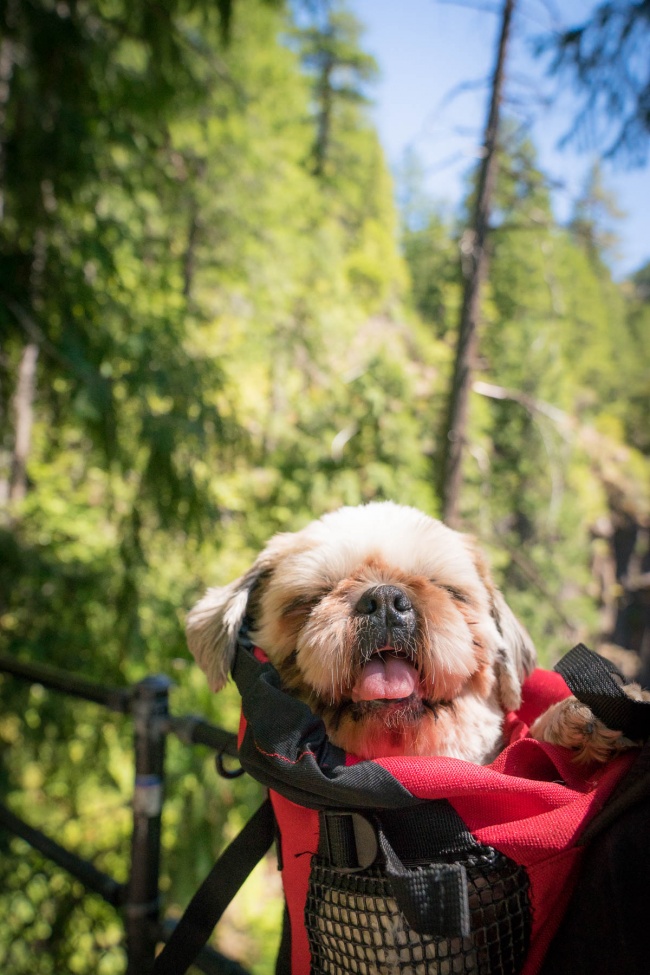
x,y
349,840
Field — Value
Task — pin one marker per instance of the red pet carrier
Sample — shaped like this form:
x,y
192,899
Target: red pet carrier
x,y
423,866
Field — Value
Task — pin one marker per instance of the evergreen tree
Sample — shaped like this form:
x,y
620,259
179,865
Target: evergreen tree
x,y
606,59
430,247
331,52
594,214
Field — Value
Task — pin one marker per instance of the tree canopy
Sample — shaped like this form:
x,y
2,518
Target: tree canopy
x,y
217,324
606,59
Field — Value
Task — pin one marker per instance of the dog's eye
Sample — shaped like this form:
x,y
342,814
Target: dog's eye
x,y
302,604
455,593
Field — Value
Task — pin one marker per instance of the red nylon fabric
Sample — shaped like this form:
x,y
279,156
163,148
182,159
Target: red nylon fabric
x,y
531,803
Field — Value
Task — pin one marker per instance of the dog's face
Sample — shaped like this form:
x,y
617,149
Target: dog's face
x,y
386,623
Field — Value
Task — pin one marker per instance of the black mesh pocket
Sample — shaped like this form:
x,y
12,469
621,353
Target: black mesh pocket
x,y
354,924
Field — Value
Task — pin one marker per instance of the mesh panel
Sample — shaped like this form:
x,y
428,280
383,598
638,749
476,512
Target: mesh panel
x,y
354,924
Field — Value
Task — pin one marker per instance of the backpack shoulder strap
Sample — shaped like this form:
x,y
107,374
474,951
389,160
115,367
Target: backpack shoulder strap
x,y
597,682
604,929
216,892
632,789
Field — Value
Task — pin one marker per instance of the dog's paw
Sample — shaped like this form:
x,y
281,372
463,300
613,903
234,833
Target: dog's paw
x,y
573,725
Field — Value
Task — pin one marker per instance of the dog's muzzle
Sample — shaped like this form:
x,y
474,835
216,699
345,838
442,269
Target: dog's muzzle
x,y
386,618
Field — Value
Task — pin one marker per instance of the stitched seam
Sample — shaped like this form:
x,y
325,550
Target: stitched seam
x,y
284,758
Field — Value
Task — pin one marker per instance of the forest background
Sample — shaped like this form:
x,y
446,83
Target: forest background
x,y
216,324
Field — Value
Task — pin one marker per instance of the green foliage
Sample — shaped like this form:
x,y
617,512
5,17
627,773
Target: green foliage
x,y
329,45
430,249
605,58
192,288
235,335
633,354
558,387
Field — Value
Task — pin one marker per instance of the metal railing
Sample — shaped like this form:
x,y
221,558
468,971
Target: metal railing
x,y
138,900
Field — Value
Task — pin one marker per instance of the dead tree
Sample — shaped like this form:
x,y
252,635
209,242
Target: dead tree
x,y
474,248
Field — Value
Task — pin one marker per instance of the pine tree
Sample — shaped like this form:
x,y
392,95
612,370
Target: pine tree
x,y
605,58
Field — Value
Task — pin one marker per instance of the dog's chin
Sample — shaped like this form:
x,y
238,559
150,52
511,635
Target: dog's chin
x,y
386,727
463,720
393,713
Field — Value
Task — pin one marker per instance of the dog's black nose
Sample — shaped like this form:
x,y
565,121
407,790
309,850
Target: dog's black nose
x,y
389,603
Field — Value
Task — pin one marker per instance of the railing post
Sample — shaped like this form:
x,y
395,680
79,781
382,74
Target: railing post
x,y
150,711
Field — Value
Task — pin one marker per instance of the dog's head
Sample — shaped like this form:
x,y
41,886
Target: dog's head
x,y
385,622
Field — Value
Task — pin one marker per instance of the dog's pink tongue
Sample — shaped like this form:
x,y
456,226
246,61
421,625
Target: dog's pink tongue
x,y
385,679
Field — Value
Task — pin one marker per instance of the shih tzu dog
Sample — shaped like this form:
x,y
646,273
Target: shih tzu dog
x,y
388,625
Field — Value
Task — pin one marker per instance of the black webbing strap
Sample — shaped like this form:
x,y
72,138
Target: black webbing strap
x,y
434,896
216,892
598,683
347,840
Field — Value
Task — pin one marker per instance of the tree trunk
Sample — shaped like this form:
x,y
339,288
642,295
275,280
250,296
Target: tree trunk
x,y
631,551
7,61
23,410
473,245
189,258
321,146
196,168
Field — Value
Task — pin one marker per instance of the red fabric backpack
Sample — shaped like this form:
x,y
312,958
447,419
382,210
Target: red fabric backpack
x,y
425,866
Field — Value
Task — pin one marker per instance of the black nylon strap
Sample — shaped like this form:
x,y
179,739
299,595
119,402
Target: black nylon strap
x,y
433,899
283,961
216,892
347,840
605,928
432,831
598,683
428,832
433,896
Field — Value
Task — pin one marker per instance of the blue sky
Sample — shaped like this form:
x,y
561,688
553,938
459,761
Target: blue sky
x,y
427,48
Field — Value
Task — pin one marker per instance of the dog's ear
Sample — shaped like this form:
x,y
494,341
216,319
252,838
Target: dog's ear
x,y
213,624
515,652
516,655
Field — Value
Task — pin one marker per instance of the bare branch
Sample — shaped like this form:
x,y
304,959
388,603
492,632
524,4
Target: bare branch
x,y
562,420
487,8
